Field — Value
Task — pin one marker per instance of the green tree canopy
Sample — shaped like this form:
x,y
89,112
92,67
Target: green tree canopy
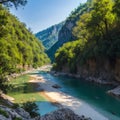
x,y
98,37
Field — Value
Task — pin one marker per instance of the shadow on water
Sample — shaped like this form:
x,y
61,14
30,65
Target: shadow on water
x,y
93,94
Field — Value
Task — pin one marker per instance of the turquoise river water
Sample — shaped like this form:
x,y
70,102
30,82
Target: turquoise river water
x,y
92,94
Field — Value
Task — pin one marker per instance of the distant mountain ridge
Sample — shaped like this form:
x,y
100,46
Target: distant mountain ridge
x,y
49,36
63,32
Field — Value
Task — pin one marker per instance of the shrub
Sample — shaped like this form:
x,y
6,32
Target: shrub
x,y
31,107
4,113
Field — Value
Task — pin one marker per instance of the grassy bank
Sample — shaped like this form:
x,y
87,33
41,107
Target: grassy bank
x,y
23,91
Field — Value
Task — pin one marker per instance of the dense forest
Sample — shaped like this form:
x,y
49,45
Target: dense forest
x,y
97,41
19,48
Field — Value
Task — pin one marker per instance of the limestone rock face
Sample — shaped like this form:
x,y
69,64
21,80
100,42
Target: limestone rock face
x,y
63,114
23,113
10,114
49,36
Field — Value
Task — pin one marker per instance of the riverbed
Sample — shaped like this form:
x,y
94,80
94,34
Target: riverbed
x,y
93,97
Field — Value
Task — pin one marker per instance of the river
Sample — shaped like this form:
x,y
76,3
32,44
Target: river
x,y
92,94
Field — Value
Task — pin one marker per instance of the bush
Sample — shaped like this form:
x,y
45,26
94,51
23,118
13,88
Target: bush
x,y
4,113
31,107
15,105
17,118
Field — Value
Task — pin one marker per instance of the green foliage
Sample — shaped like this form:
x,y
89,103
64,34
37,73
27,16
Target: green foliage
x,y
98,36
65,34
3,82
15,105
18,47
4,113
68,55
102,18
32,108
116,8
17,118
22,90
23,48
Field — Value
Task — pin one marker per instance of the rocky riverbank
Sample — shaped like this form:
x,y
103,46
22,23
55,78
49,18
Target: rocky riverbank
x,y
20,114
115,92
98,80
8,111
63,114
64,100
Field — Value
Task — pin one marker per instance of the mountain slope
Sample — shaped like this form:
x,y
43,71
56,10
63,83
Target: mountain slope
x,y
18,46
65,34
95,54
49,36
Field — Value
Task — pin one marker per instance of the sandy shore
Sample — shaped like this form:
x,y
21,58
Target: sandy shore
x,y
56,96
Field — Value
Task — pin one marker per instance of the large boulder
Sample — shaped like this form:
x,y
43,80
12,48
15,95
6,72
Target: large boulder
x,y
63,114
115,92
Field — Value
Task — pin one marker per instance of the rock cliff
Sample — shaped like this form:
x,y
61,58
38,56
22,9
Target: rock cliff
x,y
102,71
65,34
13,114
49,36
20,114
63,114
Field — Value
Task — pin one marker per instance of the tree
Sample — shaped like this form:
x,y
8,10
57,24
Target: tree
x,y
116,8
32,108
80,30
17,46
102,17
15,3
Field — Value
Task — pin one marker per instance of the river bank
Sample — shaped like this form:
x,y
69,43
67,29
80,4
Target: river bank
x,y
46,88
64,100
35,81
98,80
115,92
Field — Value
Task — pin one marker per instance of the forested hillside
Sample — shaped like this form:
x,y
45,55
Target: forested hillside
x,y
65,34
96,50
18,47
49,36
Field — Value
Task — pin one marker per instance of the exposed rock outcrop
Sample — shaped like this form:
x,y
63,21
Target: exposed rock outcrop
x,y
49,36
56,86
101,71
63,114
65,34
11,114
115,92
20,114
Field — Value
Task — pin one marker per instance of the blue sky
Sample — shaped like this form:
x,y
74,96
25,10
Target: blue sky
x,y
40,14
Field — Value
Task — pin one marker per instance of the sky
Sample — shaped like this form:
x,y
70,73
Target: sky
x,y
41,14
